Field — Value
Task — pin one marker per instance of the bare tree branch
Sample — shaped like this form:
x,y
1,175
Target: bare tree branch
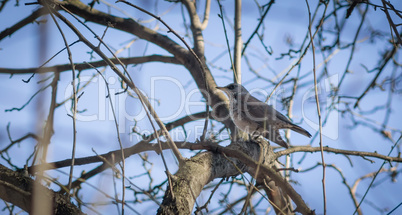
x,y
17,189
338,151
85,66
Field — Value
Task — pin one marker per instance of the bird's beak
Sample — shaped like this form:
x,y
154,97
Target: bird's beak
x,y
224,89
221,88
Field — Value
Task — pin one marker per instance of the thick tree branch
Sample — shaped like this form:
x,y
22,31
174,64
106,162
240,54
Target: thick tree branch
x,y
206,14
250,161
196,28
126,25
275,195
17,189
207,166
238,43
189,181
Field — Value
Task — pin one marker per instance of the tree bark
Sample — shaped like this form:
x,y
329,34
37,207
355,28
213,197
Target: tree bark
x,y
16,188
191,178
201,169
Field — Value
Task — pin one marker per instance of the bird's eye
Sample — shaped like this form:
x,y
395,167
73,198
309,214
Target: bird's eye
x,y
231,87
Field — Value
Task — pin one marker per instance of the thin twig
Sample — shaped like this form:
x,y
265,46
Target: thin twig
x,y
354,43
318,108
299,59
100,63
227,40
118,138
375,176
74,102
205,206
29,100
337,151
387,57
13,142
254,188
260,160
391,23
258,26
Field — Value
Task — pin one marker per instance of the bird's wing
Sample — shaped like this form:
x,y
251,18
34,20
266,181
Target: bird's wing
x,y
282,117
260,110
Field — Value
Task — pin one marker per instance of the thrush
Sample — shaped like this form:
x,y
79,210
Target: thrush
x,y
257,118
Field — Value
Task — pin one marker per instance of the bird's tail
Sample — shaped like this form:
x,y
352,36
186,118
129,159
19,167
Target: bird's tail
x,y
280,141
274,136
300,130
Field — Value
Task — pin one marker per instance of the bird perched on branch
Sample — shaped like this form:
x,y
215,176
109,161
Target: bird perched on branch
x,y
257,118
